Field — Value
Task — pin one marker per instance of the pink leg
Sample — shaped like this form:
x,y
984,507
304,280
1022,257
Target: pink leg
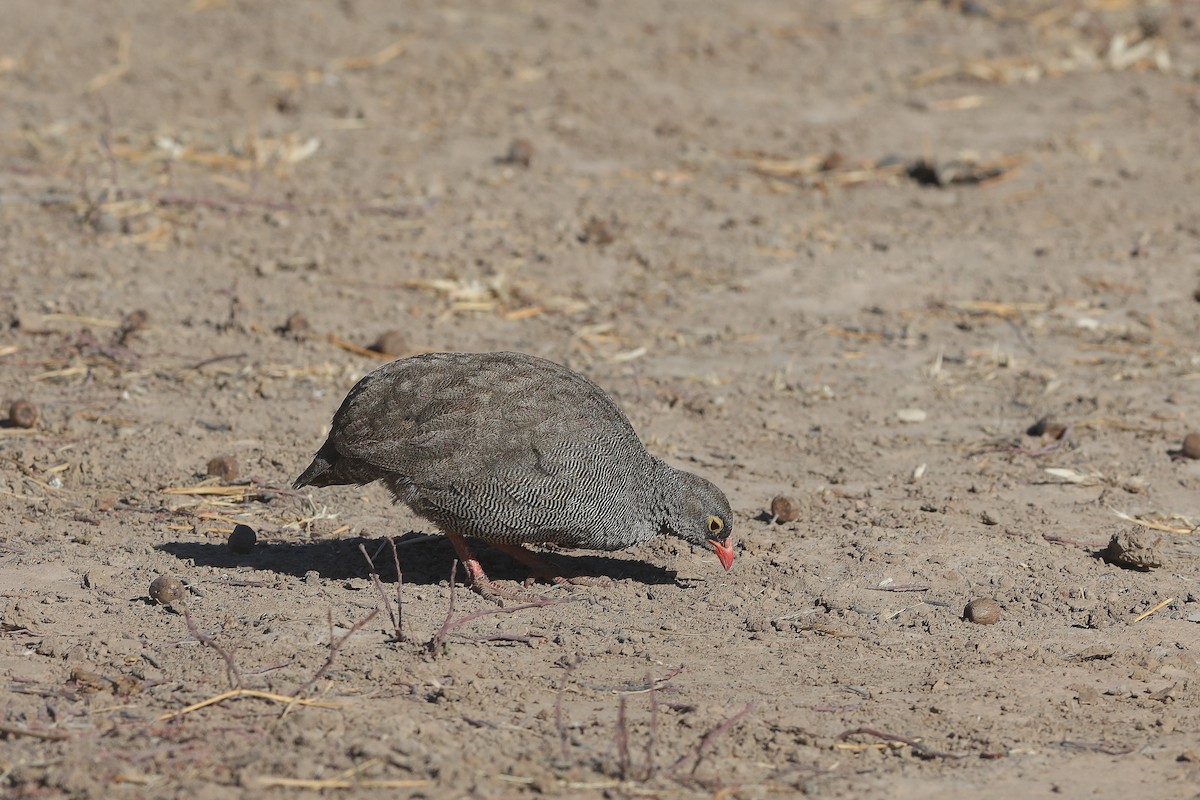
x,y
481,584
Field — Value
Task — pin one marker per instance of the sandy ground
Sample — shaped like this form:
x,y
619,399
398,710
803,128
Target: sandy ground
x,y
844,252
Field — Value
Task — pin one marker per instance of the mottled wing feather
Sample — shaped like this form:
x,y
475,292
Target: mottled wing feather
x,y
441,420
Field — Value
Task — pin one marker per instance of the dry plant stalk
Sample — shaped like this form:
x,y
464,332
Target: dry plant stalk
x,y
232,673
434,646
891,737
335,645
398,634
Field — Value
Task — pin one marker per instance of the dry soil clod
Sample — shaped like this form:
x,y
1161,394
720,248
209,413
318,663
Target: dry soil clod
x,y
295,326
520,153
1046,426
1191,446
223,467
785,509
390,343
1134,548
982,611
166,590
242,539
23,414
596,231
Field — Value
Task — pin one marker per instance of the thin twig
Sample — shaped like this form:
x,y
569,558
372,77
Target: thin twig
x,y
278,698
891,737
214,360
697,750
232,673
568,668
379,588
435,643
622,739
439,638
399,591
1052,539
653,735
1096,747
530,639
19,730
334,646
900,587
1158,607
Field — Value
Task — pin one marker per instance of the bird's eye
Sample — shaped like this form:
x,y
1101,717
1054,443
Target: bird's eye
x,y
715,525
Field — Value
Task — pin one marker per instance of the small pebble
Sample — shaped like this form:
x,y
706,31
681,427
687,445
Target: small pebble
x,y
785,509
911,415
1134,548
243,539
296,325
1046,426
105,222
1191,446
982,611
596,231
520,153
135,320
223,467
22,414
390,343
165,590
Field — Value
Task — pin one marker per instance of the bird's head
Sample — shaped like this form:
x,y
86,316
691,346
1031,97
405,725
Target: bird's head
x,y
701,516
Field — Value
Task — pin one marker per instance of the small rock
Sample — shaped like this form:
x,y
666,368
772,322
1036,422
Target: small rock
x,y
1048,427
22,414
1191,446
166,589
106,501
785,509
243,539
596,231
911,415
1134,548
520,153
296,325
105,222
390,343
982,611
223,467
135,320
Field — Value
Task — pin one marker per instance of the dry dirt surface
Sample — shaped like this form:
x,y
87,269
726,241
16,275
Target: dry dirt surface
x,y
849,253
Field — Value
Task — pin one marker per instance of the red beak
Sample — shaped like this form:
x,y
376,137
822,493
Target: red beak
x,y
724,552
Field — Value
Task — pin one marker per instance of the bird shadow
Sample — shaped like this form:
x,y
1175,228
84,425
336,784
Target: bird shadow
x,y
423,560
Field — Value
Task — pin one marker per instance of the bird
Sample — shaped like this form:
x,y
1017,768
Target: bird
x,y
513,450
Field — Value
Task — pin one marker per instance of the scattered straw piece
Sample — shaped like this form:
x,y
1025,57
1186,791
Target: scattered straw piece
x,y
222,491
234,693
339,783
1157,526
357,349
95,322
1158,607
345,780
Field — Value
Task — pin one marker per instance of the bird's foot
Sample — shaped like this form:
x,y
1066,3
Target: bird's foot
x,y
497,593
480,583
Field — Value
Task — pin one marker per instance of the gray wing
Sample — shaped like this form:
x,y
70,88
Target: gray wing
x,y
452,419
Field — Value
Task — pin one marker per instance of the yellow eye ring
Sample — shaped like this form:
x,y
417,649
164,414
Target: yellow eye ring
x,y
715,525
